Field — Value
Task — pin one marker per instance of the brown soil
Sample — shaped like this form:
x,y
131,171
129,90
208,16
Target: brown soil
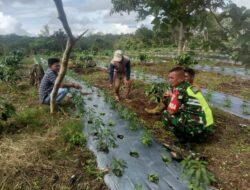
x,y
227,150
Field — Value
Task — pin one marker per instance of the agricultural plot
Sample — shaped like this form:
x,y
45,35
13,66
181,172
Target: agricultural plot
x,y
99,77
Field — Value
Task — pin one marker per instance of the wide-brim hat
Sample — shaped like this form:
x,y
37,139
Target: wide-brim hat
x,y
118,55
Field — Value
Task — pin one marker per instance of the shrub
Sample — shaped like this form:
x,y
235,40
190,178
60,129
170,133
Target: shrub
x,y
6,110
185,59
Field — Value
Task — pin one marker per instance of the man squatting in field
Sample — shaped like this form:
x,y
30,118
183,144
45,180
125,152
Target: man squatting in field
x,y
48,82
187,114
120,70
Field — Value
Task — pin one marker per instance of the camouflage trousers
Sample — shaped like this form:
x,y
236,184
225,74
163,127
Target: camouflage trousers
x,y
185,126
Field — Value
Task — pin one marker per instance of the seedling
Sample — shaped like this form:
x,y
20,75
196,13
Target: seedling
x,y
146,139
166,159
196,173
118,167
134,154
153,178
133,125
110,123
106,140
227,102
245,109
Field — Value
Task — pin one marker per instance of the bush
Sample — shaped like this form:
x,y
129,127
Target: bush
x,y
6,110
8,66
143,57
185,59
72,133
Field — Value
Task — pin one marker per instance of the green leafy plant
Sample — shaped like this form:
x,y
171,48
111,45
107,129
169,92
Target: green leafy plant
x,y
194,170
153,178
227,102
156,91
185,59
166,159
143,58
72,133
6,110
78,101
118,167
245,109
106,140
146,138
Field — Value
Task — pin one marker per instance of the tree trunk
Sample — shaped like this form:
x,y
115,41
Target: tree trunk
x,y
62,72
64,62
180,38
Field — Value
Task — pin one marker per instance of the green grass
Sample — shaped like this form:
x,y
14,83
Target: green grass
x,y
72,133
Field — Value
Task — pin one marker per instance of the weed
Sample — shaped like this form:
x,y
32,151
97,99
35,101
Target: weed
x,y
72,133
118,166
146,139
166,159
153,178
227,102
6,110
244,108
197,175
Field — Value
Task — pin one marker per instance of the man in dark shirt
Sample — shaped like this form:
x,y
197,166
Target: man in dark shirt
x,y
120,70
48,82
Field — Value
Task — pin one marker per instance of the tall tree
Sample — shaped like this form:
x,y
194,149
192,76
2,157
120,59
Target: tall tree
x,y
181,14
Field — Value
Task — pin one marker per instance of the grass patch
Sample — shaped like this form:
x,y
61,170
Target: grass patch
x,y
72,133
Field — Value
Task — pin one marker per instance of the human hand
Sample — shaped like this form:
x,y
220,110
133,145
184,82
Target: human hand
x,y
167,94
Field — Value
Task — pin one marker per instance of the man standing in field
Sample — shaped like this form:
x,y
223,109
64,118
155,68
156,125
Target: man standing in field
x,y
48,82
120,70
187,115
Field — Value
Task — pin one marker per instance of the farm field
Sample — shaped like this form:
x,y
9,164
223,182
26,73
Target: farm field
x,y
124,95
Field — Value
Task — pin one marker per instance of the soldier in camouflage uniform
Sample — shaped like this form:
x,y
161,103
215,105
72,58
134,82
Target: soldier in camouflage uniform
x,y
187,115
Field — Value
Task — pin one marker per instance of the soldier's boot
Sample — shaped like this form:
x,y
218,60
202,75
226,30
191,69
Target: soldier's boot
x,y
157,110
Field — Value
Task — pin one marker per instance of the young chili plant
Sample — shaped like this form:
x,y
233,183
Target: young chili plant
x,y
118,167
146,138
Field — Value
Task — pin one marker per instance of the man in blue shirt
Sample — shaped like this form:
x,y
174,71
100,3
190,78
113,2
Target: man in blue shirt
x,y
120,70
48,82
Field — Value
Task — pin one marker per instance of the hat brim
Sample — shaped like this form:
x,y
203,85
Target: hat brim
x,y
117,59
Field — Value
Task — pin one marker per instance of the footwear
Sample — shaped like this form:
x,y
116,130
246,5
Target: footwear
x,y
157,110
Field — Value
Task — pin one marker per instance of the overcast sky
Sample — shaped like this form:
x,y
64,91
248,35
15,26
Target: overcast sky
x,y
27,17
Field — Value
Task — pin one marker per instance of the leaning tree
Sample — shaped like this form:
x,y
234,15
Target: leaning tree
x,y
71,41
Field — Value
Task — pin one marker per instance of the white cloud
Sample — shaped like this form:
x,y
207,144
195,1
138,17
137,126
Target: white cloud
x,y
9,25
244,3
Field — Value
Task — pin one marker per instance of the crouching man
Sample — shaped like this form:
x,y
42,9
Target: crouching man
x,y
187,115
48,82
